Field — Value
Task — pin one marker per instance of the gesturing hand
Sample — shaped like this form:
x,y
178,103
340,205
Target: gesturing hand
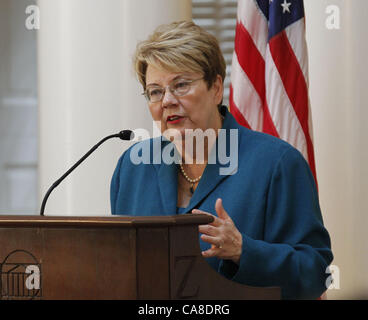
x,y
225,239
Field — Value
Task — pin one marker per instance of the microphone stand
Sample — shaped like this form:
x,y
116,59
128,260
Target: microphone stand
x,y
123,135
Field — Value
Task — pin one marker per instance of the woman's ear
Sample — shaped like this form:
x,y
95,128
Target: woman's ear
x,y
218,87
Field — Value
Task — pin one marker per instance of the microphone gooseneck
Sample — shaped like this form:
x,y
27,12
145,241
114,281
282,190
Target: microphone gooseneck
x,y
123,135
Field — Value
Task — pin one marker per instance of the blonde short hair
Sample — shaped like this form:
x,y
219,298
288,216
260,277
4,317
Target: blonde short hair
x,y
180,47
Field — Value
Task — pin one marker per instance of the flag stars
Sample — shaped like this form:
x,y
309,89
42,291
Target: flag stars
x,y
285,6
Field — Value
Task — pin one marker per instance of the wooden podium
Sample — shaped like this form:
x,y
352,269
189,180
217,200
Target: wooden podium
x,y
114,257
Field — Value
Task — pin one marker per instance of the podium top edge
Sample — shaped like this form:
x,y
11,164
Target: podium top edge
x,y
110,221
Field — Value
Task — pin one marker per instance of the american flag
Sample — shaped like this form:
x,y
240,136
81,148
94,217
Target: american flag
x,y
269,75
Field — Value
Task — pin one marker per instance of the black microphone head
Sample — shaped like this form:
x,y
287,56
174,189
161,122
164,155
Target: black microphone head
x,y
126,135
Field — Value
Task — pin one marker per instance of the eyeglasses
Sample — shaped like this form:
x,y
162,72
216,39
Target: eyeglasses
x,y
178,87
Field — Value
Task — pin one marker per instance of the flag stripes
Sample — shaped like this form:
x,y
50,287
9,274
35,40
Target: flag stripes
x,y
269,74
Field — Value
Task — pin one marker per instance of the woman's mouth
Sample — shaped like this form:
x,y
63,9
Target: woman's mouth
x,y
174,119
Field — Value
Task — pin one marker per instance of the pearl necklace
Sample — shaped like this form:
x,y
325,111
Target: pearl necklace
x,y
191,181
194,181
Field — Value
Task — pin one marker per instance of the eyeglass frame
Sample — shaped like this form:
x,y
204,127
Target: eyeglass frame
x,y
169,86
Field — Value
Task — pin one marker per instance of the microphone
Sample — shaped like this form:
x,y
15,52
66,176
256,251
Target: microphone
x,y
123,135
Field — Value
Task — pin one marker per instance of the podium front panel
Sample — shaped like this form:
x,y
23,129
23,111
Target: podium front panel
x,y
72,263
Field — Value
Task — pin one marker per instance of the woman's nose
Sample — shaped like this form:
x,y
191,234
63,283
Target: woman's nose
x,y
168,98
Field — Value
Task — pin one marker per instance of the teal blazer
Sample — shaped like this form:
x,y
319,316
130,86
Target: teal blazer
x,y
270,195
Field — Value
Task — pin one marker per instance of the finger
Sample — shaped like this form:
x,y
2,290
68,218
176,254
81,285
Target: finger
x,y
214,241
209,230
214,251
209,253
221,212
197,211
215,221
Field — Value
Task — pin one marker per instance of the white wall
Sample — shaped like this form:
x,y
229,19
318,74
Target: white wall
x,y
338,76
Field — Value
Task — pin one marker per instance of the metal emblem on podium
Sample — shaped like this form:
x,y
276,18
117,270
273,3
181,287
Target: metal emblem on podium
x,y
20,276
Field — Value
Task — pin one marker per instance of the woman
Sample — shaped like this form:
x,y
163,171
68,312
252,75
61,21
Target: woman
x,y
267,228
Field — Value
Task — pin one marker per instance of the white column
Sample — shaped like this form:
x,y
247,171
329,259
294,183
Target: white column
x,y
338,76
357,50
87,90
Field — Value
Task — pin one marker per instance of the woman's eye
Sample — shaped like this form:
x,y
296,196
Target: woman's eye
x,y
155,92
181,85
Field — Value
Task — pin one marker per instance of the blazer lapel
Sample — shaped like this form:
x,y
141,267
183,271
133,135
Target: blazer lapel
x,y
210,179
212,175
168,174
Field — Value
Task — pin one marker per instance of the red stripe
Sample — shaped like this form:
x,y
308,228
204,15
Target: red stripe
x,y
295,86
250,59
235,111
253,64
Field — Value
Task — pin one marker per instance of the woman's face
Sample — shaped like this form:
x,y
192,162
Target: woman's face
x,y
197,109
